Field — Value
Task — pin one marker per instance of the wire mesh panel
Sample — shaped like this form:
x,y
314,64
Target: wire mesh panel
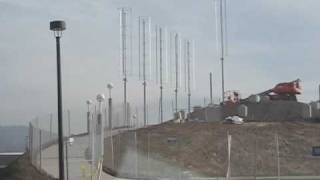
x,y
43,148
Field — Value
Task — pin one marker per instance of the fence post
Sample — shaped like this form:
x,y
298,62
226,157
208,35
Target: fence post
x,y
30,141
51,117
69,126
40,148
67,159
278,154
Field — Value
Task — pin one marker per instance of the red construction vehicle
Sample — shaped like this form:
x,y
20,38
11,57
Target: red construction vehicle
x,y
283,91
286,91
232,97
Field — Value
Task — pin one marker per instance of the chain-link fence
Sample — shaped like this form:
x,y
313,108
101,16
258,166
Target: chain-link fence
x,y
43,146
173,150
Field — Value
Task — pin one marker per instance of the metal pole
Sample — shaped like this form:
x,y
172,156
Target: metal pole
x,y
88,120
31,142
40,148
188,69
161,82
278,155
222,49
228,176
177,71
51,126
211,99
157,73
144,73
139,45
67,161
110,113
136,156
69,126
319,93
123,27
60,116
255,159
110,127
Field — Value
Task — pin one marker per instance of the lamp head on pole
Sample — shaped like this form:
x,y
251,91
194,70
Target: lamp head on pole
x,y
57,27
89,102
110,86
100,98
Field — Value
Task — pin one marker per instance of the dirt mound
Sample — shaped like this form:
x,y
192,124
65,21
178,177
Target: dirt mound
x,y
202,147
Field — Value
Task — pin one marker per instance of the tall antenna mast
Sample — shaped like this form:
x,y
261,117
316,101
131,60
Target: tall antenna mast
x,y
123,55
189,78
211,99
222,48
144,72
161,75
157,68
176,48
139,44
319,93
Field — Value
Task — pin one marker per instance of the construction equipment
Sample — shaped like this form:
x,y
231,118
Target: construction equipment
x,y
232,97
283,91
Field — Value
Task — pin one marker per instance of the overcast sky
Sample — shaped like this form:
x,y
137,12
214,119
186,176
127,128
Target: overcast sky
x,y
269,41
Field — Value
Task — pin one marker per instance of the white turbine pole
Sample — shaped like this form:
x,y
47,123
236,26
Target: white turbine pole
x,y
188,77
176,48
161,75
144,72
123,42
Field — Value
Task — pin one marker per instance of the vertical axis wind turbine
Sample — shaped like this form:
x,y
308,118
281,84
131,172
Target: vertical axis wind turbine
x,y
211,98
123,58
176,48
144,71
145,63
223,38
188,77
161,75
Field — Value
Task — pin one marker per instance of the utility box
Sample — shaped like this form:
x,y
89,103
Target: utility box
x,y
243,110
316,151
307,112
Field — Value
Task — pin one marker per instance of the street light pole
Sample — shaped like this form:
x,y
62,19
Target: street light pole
x,y
57,27
99,132
319,93
89,102
211,99
110,86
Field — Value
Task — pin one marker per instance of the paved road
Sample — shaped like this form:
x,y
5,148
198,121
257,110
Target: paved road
x,y
79,167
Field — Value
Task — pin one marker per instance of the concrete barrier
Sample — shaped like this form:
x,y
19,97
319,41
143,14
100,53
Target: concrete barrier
x,y
263,111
